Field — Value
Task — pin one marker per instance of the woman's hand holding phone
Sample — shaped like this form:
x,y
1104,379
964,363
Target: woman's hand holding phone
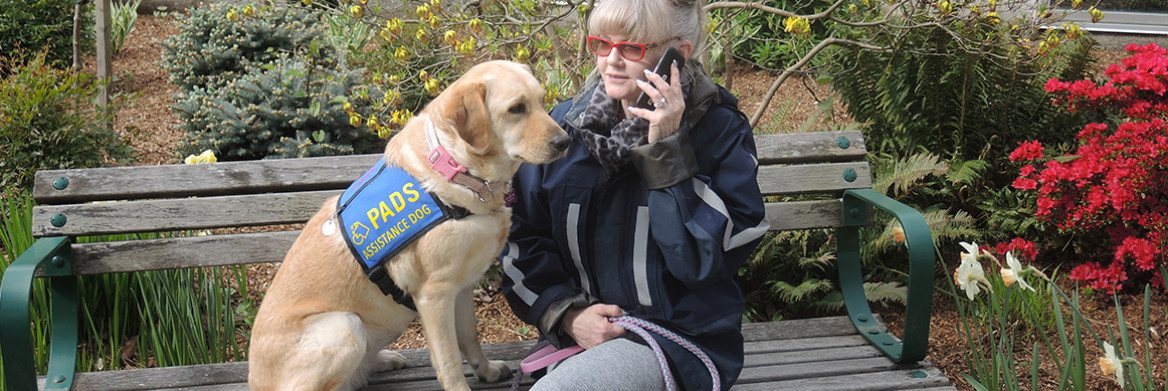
x,y
661,101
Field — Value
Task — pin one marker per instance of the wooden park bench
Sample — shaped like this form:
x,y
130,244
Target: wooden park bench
x,y
852,352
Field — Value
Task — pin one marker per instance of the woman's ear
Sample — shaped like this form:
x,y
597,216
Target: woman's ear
x,y
686,48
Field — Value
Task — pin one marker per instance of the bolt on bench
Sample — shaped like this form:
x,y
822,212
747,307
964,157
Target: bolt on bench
x,y
852,352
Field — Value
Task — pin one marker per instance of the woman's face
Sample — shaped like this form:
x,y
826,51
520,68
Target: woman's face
x,y
620,74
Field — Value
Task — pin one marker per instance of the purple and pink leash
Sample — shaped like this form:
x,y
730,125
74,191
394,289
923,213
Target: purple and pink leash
x,y
544,354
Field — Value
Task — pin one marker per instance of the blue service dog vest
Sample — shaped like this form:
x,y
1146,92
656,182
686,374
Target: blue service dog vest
x,y
382,213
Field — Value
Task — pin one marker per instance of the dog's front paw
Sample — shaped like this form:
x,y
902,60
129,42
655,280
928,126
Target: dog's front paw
x,y
388,360
494,371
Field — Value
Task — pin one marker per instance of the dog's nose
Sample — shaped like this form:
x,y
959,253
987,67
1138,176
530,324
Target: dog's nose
x,y
560,143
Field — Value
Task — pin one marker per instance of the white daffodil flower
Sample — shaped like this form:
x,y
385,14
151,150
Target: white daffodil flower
x,y
1014,273
1111,364
970,252
969,272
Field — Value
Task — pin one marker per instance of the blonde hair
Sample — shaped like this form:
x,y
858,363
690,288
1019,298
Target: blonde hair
x,y
643,21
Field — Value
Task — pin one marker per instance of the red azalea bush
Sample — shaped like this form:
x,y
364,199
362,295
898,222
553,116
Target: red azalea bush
x,y
1116,182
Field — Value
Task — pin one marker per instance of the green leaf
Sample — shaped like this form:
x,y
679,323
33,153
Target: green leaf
x,y
973,382
314,108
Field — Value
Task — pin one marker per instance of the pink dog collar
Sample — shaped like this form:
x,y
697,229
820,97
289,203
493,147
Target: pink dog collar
x,y
444,163
441,160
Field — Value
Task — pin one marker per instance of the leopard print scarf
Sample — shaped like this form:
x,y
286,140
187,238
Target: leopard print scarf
x,y
607,133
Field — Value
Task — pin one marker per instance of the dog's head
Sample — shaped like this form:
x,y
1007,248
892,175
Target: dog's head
x,y
497,111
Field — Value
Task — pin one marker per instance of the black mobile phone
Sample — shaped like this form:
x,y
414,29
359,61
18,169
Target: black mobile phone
x,y
662,69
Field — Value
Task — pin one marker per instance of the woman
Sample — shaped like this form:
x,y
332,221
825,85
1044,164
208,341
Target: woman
x,y
650,214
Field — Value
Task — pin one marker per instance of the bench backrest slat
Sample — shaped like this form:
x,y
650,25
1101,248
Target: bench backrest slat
x,y
180,180
194,198
828,178
180,214
239,249
813,147
182,252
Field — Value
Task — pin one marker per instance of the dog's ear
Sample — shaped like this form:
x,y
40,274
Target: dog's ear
x,y
467,110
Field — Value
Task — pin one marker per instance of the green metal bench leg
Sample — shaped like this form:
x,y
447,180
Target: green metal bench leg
x,y
16,346
63,353
918,307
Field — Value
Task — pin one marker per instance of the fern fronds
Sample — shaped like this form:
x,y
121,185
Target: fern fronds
x,y
878,292
904,174
788,294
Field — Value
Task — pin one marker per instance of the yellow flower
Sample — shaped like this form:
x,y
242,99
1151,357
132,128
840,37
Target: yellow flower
x,y
466,48
1111,364
392,97
1096,14
797,25
306,2
449,38
436,5
232,16
248,11
423,11
970,272
348,107
476,25
355,120
945,6
402,54
1076,4
373,121
1073,30
993,5
1014,273
357,11
432,87
993,17
207,156
521,54
421,35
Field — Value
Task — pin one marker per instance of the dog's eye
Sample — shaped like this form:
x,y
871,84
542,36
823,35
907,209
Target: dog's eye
x,y
518,108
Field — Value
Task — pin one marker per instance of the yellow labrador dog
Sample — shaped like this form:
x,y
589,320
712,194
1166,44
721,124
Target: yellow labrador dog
x,y
324,321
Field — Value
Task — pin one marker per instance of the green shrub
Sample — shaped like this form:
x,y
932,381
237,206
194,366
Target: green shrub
x,y
50,122
957,102
217,43
42,25
293,107
421,47
759,36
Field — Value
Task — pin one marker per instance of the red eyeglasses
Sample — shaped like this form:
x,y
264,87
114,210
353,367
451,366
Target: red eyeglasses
x,y
632,51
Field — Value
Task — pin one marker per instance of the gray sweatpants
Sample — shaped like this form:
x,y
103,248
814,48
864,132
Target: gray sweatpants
x,y
619,364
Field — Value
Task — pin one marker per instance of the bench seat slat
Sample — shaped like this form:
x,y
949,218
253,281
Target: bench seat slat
x,y
180,214
879,374
763,364
181,180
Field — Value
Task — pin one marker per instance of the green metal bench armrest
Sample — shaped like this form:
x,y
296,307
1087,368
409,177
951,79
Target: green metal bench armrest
x,y
16,348
918,306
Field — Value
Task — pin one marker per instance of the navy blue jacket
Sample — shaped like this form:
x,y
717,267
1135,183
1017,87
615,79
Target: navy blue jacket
x,y
662,238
